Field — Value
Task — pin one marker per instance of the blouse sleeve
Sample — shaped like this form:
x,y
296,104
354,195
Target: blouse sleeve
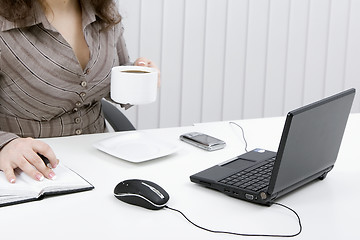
x,y
123,56
6,137
121,48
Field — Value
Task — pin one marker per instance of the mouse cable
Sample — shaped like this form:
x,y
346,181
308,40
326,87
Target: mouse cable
x,y
243,134
246,234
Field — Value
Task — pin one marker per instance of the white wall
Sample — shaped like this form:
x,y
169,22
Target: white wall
x,y
235,59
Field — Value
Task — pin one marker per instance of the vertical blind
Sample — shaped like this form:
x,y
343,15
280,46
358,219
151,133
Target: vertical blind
x,y
237,59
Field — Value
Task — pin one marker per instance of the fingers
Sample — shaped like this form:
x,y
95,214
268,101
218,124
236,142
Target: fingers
x,y
24,153
29,169
10,175
40,171
46,151
144,62
147,63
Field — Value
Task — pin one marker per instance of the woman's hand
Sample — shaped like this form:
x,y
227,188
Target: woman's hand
x,y
23,153
147,63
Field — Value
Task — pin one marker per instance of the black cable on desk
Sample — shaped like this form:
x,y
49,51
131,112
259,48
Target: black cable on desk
x,y
246,234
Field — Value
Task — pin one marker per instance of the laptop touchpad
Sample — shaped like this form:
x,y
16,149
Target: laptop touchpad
x,y
250,158
239,164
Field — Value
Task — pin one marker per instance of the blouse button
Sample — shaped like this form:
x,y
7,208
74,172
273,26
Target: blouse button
x,y
77,120
78,104
82,94
83,84
87,71
75,109
78,131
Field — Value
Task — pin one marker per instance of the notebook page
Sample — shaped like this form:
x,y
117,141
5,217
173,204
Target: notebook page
x,y
66,179
20,189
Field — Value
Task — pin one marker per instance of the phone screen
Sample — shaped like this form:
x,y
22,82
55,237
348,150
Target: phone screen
x,y
205,139
202,138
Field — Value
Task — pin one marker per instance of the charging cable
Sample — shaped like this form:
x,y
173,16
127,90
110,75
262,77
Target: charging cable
x,y
246,234
243,135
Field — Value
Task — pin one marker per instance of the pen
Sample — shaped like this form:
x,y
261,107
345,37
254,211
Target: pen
x,y
46,160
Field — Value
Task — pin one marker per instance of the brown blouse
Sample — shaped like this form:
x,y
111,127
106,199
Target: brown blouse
x,y
44,92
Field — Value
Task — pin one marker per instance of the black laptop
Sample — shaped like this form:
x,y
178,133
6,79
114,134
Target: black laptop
x,y
307,151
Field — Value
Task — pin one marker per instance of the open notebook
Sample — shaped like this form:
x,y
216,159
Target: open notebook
x,y
27,189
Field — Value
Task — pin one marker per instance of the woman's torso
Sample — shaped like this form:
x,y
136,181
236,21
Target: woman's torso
x,y
44,90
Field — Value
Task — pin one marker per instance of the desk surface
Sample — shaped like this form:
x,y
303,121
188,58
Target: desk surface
x,y
328,209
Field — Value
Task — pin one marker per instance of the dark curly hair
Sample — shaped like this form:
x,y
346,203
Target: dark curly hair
x,y
18,10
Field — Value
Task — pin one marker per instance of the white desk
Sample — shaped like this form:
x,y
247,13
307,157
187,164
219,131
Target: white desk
x,y
328,209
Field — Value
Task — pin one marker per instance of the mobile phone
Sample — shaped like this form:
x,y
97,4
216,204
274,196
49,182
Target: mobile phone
x,y
203,141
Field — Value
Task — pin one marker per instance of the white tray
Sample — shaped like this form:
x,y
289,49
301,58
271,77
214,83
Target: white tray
x,y
136,147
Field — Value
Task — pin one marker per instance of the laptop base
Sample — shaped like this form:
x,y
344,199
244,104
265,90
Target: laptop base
x,y
248,160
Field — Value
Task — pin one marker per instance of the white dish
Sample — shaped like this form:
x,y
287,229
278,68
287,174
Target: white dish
x,y
136,147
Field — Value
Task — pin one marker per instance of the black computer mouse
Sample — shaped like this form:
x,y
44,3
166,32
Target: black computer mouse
x,y
141,193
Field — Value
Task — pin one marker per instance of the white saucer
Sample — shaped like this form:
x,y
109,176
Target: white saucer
x,y
136,147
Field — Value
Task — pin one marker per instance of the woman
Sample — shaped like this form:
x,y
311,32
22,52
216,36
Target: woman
x,y
55,63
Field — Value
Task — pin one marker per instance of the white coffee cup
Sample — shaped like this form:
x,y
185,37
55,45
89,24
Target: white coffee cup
x,y
133,84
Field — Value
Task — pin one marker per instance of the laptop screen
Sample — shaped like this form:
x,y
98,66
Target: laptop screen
x,y
311,140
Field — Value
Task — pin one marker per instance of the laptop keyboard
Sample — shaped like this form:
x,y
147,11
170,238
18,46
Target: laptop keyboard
x,y
254,179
